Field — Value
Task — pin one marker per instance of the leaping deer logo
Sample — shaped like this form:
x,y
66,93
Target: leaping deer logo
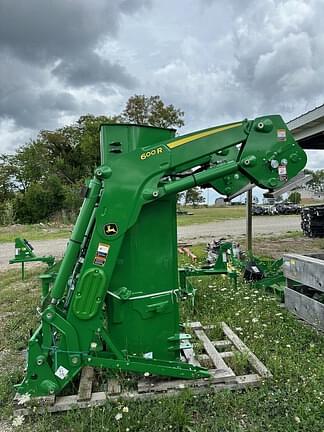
x,y
111,229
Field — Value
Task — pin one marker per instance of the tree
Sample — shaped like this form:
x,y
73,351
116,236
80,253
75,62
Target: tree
x,y
151,111
294,197
194,196
44,175
29,164
40,201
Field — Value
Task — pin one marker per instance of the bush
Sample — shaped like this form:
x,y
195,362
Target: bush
x,y
7,214
40,201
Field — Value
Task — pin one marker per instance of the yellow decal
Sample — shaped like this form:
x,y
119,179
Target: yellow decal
x,y
150,153
196,136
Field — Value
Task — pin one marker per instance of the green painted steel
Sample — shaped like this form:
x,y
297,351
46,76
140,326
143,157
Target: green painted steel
x,y
224,264
115,299
24,253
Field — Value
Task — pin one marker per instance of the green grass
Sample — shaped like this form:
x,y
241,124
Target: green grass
x,y
53,231
210,214
291,401
34,232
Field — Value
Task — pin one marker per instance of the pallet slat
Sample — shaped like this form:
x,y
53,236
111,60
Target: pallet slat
x,y
113,386
212,351
221,377
253,359
85,386
190,356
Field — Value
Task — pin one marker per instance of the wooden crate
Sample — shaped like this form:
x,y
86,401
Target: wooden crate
x,y
213,353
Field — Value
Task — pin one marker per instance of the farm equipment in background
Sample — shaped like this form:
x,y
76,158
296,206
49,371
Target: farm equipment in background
x,y
312,221
24,252
276,209
114,302
265,273
221,256
227,258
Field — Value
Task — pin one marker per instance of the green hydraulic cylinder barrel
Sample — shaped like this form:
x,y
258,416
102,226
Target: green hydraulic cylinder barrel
x,y
73,247
200,178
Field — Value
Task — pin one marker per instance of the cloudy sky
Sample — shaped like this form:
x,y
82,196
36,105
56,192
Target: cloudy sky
x,y
218,60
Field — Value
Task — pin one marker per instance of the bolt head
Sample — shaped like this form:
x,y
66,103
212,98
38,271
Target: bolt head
x,y
274,163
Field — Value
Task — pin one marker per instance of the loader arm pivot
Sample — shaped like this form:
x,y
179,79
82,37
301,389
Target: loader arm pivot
x,y
115,300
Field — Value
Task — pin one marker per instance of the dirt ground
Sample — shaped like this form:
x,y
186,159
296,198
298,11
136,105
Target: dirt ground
x,y
269,226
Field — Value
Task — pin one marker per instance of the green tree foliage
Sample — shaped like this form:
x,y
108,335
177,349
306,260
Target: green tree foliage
x,y
194,196
40,201
294,197
45,175
6,190
29,164
151,111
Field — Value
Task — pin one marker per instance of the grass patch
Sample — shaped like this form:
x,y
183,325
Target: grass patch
x,y
292,401
34,232
210,214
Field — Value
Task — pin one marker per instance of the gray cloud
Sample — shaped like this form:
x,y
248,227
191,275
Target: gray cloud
x,y
26,97
218,60
278,47
49,48
38,30
91,69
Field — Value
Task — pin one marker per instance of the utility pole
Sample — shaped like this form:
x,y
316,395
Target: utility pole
x,y
249,198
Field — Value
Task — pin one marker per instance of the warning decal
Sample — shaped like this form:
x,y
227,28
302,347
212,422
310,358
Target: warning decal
x,y
281,134
101,254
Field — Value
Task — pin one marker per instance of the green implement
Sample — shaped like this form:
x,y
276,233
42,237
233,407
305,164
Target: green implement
x,y
24,253
114,302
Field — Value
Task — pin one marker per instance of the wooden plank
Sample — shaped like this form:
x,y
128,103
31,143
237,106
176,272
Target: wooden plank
x,y
218,377
212,351
252,358
85,386
113,386
221,343
198,325
190,356
67,403
241,382
194,324
40,400
222,377
152,385
238,383
225,354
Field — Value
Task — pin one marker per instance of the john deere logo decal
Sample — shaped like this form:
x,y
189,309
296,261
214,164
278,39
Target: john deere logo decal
x,y
111,229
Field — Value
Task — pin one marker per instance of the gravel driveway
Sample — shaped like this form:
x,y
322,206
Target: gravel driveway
x,y
265,225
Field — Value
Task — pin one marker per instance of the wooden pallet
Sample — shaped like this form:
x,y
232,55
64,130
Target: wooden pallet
x,y
215,354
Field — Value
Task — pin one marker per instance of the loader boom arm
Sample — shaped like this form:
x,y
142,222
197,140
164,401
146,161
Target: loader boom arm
x,y
114,302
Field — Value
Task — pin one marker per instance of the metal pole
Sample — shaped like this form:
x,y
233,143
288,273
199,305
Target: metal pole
x,y
249,221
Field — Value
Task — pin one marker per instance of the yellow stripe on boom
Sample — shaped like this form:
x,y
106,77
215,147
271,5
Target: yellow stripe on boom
x,y
196,136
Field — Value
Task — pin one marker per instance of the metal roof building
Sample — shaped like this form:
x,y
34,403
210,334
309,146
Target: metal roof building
x,y
308,129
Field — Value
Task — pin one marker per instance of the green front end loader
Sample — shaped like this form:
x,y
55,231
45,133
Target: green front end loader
x,y
114,302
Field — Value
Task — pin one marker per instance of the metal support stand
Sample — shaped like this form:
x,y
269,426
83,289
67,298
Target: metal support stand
x,y
249,198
